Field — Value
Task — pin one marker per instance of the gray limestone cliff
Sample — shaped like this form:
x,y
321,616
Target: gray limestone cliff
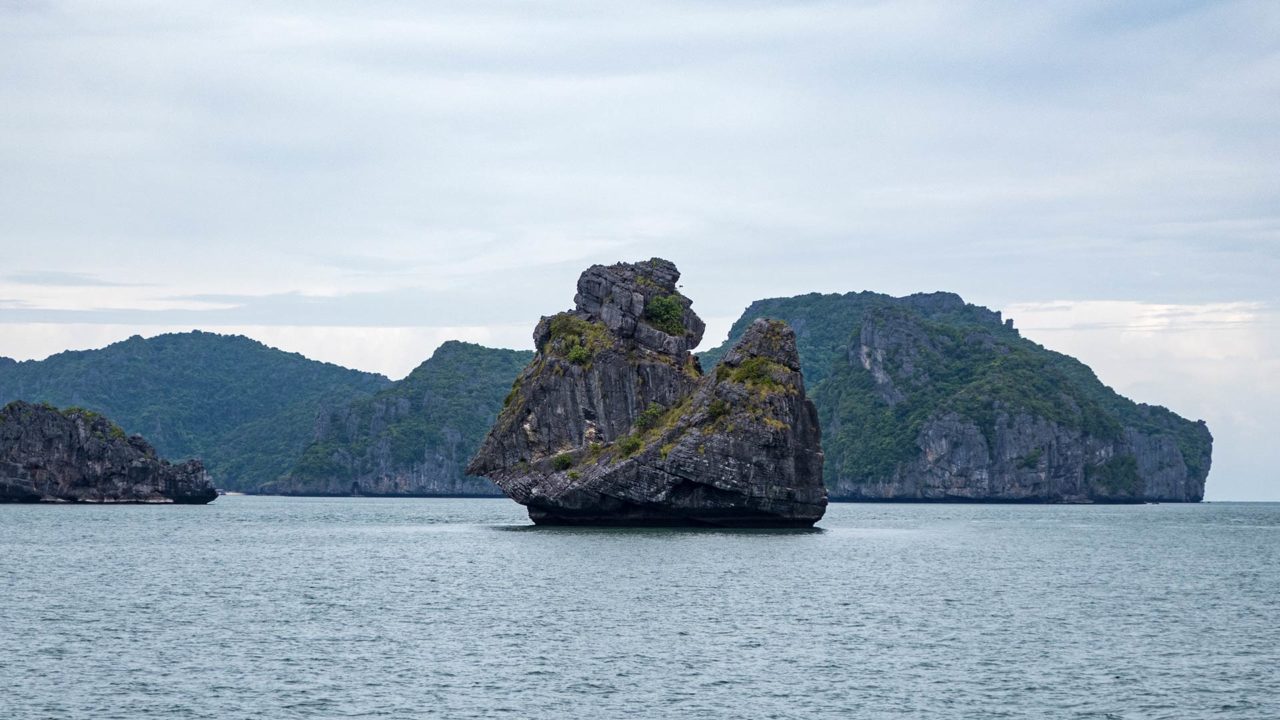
x,y
47,455
614,422
927,398
1022,426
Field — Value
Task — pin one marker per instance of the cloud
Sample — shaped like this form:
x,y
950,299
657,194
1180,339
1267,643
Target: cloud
x,y
1046,150
404,307
55,278
1137,318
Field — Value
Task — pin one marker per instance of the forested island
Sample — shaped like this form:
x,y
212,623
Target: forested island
x,y
929,398
919,398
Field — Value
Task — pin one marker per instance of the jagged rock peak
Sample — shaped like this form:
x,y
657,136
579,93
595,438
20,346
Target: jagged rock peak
x,y
76,455
766,338
638,301
613,421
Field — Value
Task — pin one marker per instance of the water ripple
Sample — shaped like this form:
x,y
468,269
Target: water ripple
x,y
295,608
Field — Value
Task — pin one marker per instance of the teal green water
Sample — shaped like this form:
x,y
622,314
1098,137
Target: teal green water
x,y
259,607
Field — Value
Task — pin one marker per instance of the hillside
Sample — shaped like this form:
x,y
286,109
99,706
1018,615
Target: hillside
x,y
246,409
920,398
415,436
928,398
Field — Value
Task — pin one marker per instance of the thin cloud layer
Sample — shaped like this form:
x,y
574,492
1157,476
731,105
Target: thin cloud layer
x,y
56,278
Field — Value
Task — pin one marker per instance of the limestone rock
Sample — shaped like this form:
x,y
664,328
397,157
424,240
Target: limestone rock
x,y
927,398
613,422
47,455
1028,437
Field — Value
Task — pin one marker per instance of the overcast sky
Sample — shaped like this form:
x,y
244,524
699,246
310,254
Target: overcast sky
x,y
360,181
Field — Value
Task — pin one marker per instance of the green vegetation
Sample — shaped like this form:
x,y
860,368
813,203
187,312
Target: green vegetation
x,y
1117,476
774,422
577,340
957,369
513,393
629,445
254,413
562,462
942,357
245,408
76,410
755,372
717,409
691,368
666,313
438,415
825,324
650,417
579,355
1032,459
112,431
649,426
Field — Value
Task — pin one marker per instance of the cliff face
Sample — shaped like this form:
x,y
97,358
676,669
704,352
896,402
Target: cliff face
x,y
613,422
415,437
927,398
79,456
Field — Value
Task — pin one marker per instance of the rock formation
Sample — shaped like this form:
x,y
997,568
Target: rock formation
x,y
927,398
47,455
614,422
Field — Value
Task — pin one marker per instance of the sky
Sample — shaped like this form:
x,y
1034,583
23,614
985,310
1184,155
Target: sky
x,y
360,181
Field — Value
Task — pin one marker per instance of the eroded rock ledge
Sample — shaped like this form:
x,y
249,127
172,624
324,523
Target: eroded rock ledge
x,y
614,422
47,455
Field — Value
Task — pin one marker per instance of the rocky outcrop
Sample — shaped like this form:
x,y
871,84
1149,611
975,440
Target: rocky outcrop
x,y
614,422
47,455
1031,459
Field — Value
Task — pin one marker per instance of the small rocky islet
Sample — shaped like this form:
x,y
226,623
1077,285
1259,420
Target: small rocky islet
x,y
615,423
79,456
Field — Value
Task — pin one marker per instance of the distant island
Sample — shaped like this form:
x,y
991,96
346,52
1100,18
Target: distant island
x,y
920,398
928,398
78,456
247,410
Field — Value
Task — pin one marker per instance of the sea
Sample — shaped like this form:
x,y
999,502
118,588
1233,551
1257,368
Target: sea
x,y
269,607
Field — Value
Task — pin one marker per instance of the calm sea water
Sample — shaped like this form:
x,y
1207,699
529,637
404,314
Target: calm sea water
x,y
337,608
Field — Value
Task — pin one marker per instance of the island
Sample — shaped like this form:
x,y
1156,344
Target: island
x,y
79,456
614,422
